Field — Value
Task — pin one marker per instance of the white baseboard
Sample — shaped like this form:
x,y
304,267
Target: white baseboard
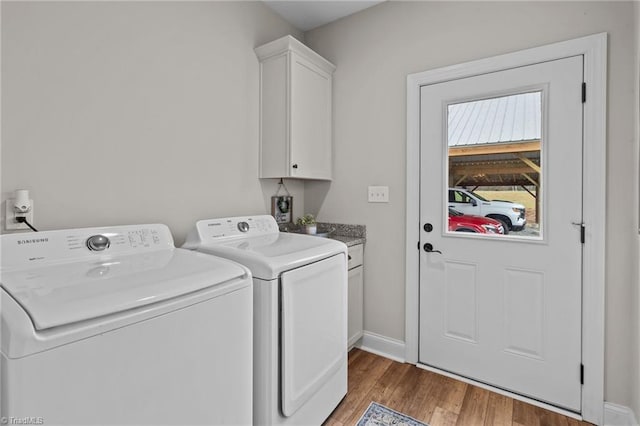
x,y
619,415
383,346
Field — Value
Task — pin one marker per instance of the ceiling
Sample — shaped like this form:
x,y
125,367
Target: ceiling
x,y
309,14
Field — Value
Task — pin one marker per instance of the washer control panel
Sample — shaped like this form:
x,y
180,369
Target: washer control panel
x,y
233,227
70,244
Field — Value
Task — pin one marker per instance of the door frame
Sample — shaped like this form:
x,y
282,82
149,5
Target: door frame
x,y
594,50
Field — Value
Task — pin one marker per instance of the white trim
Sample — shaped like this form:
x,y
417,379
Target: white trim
x,y
288,43
594,49
502,392
618,415
383,346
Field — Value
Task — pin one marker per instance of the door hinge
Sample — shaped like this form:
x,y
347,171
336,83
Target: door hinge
x,y
584,92
582,374
418,245
582,230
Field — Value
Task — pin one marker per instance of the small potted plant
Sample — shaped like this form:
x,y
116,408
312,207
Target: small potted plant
x,y
308,223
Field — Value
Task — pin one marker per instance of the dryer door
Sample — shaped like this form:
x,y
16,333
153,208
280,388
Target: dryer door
x,y
314,328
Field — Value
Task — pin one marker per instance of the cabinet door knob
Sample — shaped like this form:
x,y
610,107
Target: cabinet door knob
x,y
295,166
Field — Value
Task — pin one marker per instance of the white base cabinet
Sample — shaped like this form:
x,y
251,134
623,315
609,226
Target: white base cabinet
x,y
295,111
356,295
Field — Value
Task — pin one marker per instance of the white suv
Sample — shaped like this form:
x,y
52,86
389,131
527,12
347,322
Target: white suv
x,y
512,215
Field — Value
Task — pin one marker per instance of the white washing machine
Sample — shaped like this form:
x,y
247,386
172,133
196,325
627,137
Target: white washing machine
x,y
116,326
300,315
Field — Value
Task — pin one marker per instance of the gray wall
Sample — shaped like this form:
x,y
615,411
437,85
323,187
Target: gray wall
x,y
375,50
134,112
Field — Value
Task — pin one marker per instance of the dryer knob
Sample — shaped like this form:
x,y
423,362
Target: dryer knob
x,y
98,243
243,226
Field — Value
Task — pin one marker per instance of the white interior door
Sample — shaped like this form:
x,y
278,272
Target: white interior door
x,y
506,309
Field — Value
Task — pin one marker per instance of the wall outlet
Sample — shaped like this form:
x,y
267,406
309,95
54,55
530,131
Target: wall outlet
x,y
378,194
10,223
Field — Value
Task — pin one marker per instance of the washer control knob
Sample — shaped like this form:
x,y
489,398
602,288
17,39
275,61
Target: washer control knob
x,y
243,226
98,243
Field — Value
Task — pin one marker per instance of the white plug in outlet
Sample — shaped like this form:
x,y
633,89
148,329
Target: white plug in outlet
x,y
10,216
378,194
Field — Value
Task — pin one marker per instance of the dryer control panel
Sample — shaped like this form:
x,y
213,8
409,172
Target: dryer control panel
x,y
232,227
74,244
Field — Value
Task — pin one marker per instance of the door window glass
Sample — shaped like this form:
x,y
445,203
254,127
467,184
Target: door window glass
x,y
495,165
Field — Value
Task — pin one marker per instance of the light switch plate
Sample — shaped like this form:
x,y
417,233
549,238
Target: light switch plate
x,y
378,194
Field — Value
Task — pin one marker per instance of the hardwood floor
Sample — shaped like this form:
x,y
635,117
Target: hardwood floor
x,y
431,398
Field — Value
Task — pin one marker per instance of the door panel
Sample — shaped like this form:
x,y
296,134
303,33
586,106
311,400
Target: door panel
x,y
506,309
524,312
314,329
460,301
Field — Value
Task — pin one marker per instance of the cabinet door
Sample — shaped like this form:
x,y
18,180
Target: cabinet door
x,y
356,320
274,160
310,149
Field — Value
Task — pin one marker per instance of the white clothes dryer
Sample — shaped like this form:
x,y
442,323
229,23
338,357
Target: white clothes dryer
x,y
300,315
116,326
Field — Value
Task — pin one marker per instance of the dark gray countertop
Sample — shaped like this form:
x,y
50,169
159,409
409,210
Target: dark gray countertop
x,y
349,241
351,235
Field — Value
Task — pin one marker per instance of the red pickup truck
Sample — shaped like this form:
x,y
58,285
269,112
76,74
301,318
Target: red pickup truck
x,y
460,222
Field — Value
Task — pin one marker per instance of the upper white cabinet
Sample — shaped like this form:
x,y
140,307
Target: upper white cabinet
x,y
295,111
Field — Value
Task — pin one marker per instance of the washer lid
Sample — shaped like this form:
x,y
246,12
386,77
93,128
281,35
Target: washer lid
x,y
65,293
267,256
